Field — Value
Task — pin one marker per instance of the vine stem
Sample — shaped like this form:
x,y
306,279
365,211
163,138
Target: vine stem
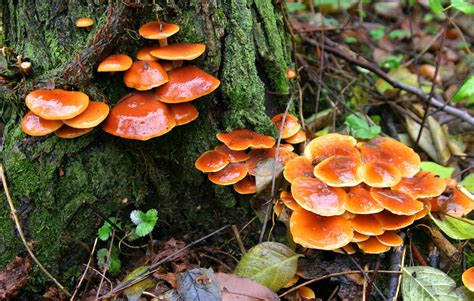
x,y
22,234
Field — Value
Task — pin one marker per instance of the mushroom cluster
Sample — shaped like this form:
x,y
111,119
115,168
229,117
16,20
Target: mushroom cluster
x,y
69,114
164,88
344,192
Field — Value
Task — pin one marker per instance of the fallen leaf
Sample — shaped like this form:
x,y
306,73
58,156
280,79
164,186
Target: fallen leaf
x,y
13,277
456,228
237,288
199,284
440,140
425,142
468,182
441,171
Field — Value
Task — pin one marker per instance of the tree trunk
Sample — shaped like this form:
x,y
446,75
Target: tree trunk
x,y
49,178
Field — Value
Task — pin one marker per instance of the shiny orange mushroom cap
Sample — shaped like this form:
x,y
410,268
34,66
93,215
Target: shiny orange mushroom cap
x,y
246,186
234,156
291,126
390,239
95,113
372,246
115,62
84,22
306,293
174,52
57,104
184,113
330,145
298,167
360,201
392,152
211,161
144,54
358,237
242,139
231,174
67,132
339,171
145,75
424,184
299,137
377,174
319,232
396,202
34,125
157,30
288,200
453,202
186,84
139,116
367,224
392,221
315,196
468,279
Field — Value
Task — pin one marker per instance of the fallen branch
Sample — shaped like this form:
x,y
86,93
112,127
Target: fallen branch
x,y
358,60
22,235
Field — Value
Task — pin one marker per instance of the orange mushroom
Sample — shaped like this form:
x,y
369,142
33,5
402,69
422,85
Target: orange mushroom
x,y
299,137
144,54
115,62
315,196
452,202
330,145
145,75
179,52
291,126
211,161
241,139
186,84
34,125
157,30
391,152
231,174
372,246
306,293
84,22
298,167
95,113
377,174
392,221
424,184
246,186
184,113
234,156
396,202
358,237
290,73
67,132
468,279
360,201
57,104
288,200
319,232
339,171
139,116
367,224
390,239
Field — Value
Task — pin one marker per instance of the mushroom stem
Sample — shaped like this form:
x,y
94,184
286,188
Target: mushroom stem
x,y
163,42
177,64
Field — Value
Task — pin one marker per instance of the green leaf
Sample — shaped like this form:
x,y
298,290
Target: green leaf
x,y
360,128
442,171
270,263
145,222
377,33
466,90
398,34
294,6
423,283
136,290
350,40
144,229
468,182
436,6
114,262
456,228
464,6
392,61
105,231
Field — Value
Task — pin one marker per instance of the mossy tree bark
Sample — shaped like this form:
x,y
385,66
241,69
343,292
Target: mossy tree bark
x,y
247,48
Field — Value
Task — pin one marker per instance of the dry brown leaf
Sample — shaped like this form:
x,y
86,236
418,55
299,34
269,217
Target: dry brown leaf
x,y
235,288
13,277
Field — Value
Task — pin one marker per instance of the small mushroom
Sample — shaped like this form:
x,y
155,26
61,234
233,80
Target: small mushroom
x,y
179,52
367,224
392,221
57,104
297,138
67,132
468,279
186,84
231,174
157,30
184,113
290,73
390,239
306,293
145,75
358,237
291,126
234,156
246,186
242,139
372,246
378,174
360,201
339,171
34,125
211,161
288,200
84,22
298,167
115,63
396,202
424,184
95,113
330,145
144,54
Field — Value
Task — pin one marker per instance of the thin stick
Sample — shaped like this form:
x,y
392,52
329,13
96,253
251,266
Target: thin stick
x,y
395,297
107,264
22,235
239,240
91,256
335,275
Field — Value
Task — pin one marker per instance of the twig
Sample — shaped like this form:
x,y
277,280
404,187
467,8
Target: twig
x,y
417,255
22,235
91,256
107,264
366,275
356,60
397,260
239,240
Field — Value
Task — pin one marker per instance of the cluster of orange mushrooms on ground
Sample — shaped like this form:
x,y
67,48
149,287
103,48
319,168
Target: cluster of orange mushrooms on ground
x,y
342,193
161,100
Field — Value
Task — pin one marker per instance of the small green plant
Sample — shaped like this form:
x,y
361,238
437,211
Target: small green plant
x,y
360,128
350,40
105,232
392,61
377,33
398,34
114,263
466,91
145,222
